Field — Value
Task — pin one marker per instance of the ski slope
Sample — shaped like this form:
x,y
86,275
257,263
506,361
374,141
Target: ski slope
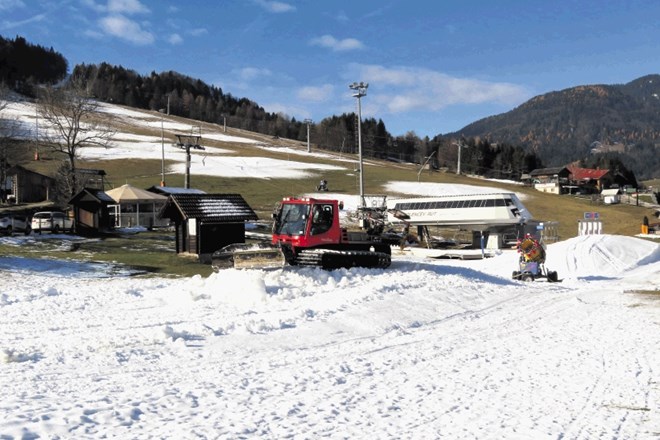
x,y
424,349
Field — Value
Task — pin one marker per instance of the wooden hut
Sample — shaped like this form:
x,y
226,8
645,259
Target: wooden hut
x,y
205,223
27,186
90,211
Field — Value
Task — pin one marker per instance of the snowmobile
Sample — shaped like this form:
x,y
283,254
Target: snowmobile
x,y
532,261
307,232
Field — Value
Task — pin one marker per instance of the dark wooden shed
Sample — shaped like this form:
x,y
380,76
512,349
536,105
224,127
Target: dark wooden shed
x,y
205,223
90,211
28,186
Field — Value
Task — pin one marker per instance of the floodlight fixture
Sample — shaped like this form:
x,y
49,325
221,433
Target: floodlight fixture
x,y
360,91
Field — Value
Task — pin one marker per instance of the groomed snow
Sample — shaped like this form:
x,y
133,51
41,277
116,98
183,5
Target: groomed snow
x,y
424,349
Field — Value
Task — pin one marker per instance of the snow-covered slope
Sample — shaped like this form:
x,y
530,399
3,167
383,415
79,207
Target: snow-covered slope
x,y
424,349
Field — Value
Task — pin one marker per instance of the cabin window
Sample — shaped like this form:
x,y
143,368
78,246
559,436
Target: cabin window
x,y
321,219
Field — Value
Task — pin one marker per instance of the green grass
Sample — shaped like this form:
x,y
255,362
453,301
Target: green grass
x,y
152,253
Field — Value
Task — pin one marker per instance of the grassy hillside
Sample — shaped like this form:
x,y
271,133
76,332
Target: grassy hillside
x,y
157,253
263,194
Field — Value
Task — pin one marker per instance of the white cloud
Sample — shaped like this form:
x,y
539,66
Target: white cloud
x,y
6,5
17,24
175,39
125,29
286,109
330,42
275,6
126,7
92,5
250,73
198,32
342,17
409,88
315,94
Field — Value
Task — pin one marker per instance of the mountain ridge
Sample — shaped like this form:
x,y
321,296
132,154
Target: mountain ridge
x,y
566,125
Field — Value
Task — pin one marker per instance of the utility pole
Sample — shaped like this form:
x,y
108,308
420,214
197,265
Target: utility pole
x,y
424,165
360,90
162,149
36,139
460,147
186,143
309,148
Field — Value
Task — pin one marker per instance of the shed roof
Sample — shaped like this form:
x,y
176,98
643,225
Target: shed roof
x,y
91,193
128,193
221,208
174,190
548,171
610,192
18,169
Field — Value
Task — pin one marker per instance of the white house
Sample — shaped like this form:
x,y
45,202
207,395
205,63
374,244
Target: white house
x,y
611,196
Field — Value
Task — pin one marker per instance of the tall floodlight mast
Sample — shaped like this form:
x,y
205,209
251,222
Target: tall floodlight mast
x,y
360,90
460,147
308,122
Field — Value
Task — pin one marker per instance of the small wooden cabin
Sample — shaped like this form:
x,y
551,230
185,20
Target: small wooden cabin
x,y
28,186
205,223
90,211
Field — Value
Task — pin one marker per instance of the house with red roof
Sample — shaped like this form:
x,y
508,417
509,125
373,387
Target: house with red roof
x,y
594,180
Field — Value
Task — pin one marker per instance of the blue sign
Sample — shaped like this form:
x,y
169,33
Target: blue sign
x,y
591,216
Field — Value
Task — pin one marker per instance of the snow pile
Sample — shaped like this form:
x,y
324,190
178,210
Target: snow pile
x,y
601,256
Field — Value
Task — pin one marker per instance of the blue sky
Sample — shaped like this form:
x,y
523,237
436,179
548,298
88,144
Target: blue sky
x,y
432,66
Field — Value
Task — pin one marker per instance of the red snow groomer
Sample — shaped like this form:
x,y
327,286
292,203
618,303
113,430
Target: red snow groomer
x,y
532,261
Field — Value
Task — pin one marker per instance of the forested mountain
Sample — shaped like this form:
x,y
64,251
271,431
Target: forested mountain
x,y
194,99
580,122
23,65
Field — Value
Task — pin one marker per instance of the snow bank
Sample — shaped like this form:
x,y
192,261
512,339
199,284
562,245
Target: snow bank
x,y
601,256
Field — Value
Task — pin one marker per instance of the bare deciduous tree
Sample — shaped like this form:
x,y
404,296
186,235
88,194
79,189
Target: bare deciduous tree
x,y
72,123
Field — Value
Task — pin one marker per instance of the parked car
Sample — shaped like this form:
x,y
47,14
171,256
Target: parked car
x,y
11,222
51,221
